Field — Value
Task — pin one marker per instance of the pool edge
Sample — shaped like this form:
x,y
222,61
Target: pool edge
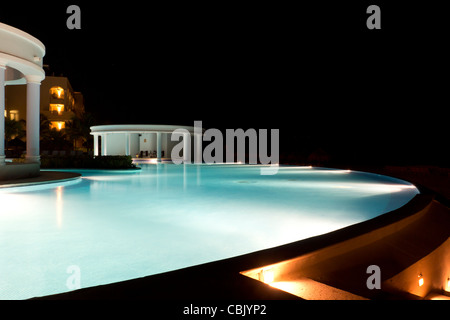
x,y
46,177
222,279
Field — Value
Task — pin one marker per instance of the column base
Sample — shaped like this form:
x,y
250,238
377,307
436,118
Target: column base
x,y
33,159
2,160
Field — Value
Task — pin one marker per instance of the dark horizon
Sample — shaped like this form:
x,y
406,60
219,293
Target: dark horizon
x,y
315,72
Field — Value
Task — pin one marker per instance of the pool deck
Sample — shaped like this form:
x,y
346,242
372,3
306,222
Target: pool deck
x,y
46,177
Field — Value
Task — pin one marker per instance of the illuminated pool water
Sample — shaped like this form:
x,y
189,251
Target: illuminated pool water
x,y
118,226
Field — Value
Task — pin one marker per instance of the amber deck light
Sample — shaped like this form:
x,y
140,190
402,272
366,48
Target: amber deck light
x,y
278,277
421,281
267,276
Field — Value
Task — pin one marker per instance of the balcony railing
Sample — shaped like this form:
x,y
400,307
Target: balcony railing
x,y
55,116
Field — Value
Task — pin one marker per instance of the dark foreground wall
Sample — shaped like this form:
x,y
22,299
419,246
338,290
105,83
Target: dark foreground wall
x,y
11,171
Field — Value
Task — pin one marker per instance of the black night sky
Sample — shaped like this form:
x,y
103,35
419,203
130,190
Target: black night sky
x,y
314,71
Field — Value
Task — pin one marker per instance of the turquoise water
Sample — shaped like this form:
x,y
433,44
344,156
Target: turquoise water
x,y
112,227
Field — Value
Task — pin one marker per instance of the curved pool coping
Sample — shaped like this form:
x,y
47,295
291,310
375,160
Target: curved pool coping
x,y
55,176
222,279
45,178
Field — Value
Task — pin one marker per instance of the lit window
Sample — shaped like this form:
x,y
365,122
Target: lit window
x,y
58,125
57,108
14,115
57,93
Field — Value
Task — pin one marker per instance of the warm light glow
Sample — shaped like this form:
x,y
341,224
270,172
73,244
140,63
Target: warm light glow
x,y
57,108
59,205
288,286
309,289
421,281
149,161
58,125
439,297
448,284
14,115
57,92
267,276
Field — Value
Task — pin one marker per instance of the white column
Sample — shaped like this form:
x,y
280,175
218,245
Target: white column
x,y
104,144
159,146
95,145
33,118
187,148
165,146
2,113
127,144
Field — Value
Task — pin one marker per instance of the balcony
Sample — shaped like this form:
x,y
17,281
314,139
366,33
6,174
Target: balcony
x,y
55,100
55,116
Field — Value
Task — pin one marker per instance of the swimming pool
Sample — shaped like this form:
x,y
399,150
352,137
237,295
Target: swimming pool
x,y
111,227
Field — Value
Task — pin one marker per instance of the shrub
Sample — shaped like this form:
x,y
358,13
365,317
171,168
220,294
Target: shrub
x,y
87,162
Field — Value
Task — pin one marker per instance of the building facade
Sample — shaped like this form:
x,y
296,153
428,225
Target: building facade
x,y
59,103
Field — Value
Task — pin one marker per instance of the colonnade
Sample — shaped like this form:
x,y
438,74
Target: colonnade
x,y
33,116
117,140
21,61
